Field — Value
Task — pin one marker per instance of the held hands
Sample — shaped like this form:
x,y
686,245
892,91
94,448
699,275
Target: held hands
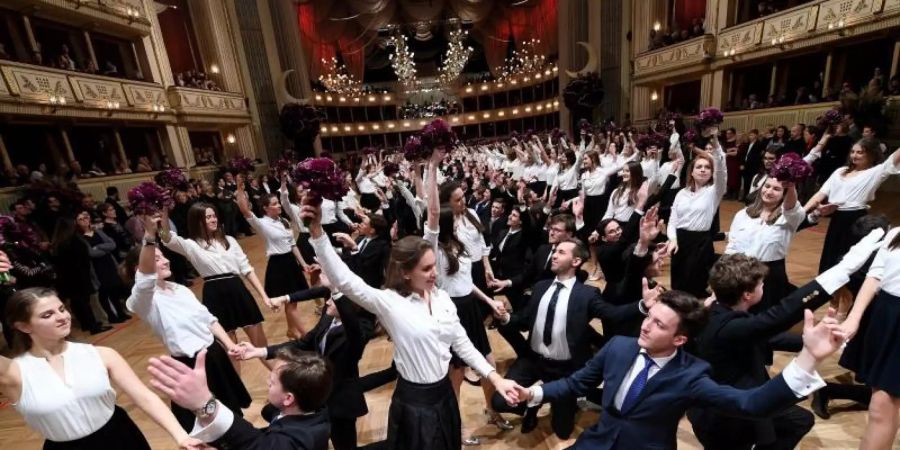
x,y
246,350
824,338
826,209
185,386
509,389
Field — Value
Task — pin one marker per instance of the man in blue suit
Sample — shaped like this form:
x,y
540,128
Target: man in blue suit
x,y
650,381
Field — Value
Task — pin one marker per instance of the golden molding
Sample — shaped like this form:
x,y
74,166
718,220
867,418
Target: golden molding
x,y
691,52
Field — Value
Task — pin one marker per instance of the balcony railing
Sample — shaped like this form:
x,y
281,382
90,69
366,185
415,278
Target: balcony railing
x,y
687,53
122,17
200,104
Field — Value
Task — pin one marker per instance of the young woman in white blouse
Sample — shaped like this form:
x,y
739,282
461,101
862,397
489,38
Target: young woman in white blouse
x,y
424,326
848,191
455,276
565,186
64,390
184,325
285,266
221,262
764,230
690,241
624,199
873,351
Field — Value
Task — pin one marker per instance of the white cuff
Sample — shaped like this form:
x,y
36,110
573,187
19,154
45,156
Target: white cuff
x,y
833,279
537,396
579,224
801,382
217,428
812,218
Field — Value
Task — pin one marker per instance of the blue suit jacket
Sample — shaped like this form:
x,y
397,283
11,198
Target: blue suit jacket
x,y
653,421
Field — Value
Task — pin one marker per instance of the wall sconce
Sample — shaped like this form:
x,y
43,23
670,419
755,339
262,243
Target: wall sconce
x,y
324,130
501,114
356,99
132,13
484,87
654,96
555,69
375,126
515,110
328,98
55,102
342,99
469,89
422,123
371,98
230,138
657,26
514,82
486,115
334,129
730,53
455,120
387,98
406,124
318,97
214,68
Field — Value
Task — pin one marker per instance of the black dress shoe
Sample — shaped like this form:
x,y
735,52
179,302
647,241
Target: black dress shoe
x,y
101,329
529,420
819,405
114,319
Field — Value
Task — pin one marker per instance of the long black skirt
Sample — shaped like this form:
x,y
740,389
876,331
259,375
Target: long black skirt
x,y
424,416
283,275
874,354
594,209
119,433
223,381
472,320
691,264
226,297
839,239
776,286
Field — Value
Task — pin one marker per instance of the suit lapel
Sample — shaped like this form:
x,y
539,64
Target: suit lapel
x,y
623,361
671,370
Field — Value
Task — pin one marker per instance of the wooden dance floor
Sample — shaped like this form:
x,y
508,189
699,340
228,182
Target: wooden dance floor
x,y
136,343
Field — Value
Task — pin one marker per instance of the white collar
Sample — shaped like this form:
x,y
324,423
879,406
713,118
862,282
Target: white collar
x,y
661,361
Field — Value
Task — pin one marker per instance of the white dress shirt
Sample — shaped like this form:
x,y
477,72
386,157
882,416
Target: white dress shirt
x,y
176,316
695,210
533,173
800,382
756,238
458,284
293,212
423,333
568,178
471,238
855,192
664,171
550,173
279,238
211,259
619,207
559,344
593,182
886,266
364,182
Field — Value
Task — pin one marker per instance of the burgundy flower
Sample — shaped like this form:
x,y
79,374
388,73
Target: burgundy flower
x,y
15,235
172,178
148,198
322,178
241,164
831,117
690,136
710,117
282,165
437,134
645,141
413,150
791,167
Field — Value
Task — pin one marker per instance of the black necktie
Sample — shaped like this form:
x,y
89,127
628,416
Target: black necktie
x,y
551,312
362,244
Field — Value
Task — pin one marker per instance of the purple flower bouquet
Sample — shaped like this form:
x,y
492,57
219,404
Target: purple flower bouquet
x,y
830,118
645,141
172,178
792,168
149,198
241,164
413,150
437,135
322,178
710,117
282,166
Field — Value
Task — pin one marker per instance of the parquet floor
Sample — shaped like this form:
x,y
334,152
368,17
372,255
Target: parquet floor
x,y
136,343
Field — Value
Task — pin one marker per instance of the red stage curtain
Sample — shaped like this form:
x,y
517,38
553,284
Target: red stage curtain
x,y
685,11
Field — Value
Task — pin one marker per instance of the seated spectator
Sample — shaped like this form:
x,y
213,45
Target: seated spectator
x,y
143,165
64,61
96,171
110,69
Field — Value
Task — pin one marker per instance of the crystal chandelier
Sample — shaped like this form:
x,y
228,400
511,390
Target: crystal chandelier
x,y
457,57
526,60
402,60
338,79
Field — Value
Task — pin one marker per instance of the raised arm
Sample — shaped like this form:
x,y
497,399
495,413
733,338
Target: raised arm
x,y
242,199
431,191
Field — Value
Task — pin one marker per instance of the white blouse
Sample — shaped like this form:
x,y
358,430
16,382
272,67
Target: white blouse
x,y
618,207
694,210
423,334
279,239
212,259
293,211
332,211
593,182
471,238
460,283
69,407
854,193
767,243
886,266
568,179
533,173
176,316
364,182
664,173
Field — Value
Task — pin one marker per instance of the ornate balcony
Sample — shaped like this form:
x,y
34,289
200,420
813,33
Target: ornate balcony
x,y
689,56
204,106
37,90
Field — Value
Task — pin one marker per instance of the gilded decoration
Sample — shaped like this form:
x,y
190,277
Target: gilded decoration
x,y
197,101
690,52
93,91
845,12
37,85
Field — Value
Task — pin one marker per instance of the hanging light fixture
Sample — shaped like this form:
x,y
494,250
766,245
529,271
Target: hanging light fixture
x,y
524,61
457,56
338,79
402,60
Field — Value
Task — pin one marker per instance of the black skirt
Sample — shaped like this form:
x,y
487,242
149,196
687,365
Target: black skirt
x,y
472,321
874,354
424,416
226,297
776,286
223,381
594,209
563,195
370,202
839,239
283,275
119,433
691,264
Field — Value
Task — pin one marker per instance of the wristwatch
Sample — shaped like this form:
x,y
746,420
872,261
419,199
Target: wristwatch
x,y
149,241
208,410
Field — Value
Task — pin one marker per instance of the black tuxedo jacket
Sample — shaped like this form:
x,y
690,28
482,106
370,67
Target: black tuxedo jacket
x,y
511,261
343,348
295,432
491,231
585,303
752,152
370,263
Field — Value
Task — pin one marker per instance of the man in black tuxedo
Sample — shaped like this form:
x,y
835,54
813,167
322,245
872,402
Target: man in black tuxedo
x,y
738,344
494,220
339,338
561,227
750,166
299,385
367,256
795,142
112,197
557,319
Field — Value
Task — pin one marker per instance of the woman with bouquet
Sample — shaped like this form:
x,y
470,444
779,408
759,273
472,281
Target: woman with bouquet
x,y
690,240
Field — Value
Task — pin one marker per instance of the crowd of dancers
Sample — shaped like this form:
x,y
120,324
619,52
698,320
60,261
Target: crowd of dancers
x,y
512,235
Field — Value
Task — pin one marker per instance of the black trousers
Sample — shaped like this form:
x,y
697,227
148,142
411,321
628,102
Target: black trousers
x,y
343,433
529,369
789,426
